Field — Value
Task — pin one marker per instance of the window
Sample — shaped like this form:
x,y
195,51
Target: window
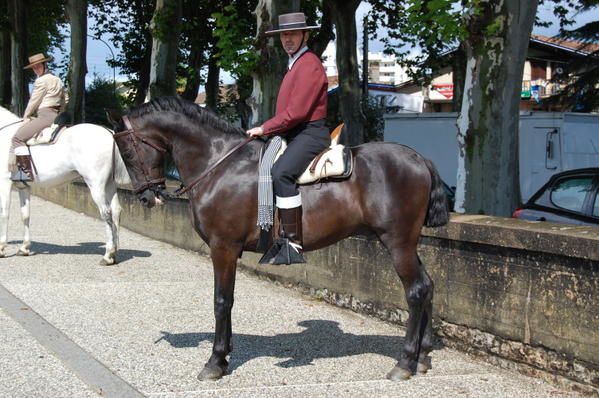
x,y
538,70
596,207
570,193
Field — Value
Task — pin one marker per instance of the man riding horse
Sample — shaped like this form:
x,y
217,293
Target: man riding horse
x,y
48,98
300,118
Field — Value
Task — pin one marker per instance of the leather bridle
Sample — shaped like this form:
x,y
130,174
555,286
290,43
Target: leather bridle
x,y
158,184
136,139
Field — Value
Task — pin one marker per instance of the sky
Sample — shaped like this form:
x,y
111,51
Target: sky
x,y
99,52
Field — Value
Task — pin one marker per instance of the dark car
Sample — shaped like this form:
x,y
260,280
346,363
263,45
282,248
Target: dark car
x,y
450,192
568,197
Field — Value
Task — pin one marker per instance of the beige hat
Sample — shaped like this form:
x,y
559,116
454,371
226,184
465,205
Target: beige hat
x,y
37,59
292,21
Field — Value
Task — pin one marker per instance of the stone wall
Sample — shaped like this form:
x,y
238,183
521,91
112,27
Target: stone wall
x,y
527,293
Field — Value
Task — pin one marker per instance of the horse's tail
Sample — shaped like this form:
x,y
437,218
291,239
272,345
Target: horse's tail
x,y
438,209
121,175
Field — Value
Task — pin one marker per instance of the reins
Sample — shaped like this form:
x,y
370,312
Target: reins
x,y
10,124
183,189
180,192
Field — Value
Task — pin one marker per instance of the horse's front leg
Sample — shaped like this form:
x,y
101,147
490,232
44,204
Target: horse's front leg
x,y
24,199
101,191
5,186
224,261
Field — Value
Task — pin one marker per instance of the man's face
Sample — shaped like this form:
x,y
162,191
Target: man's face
x,y
38,69
291,40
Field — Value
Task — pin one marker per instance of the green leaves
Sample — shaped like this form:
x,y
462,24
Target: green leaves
x,y
234,41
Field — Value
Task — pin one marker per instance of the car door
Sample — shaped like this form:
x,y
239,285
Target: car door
x,y
573,198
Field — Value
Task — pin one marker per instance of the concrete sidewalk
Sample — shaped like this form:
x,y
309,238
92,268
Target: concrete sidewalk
x,y
73,328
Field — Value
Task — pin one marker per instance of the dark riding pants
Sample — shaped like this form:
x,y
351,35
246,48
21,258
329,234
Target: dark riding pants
x,y
303,144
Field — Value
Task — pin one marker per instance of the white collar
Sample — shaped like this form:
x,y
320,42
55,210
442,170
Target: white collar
x,y
296,56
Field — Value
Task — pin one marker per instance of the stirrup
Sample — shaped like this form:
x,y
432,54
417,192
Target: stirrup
x,y
290,253
270,254
283,252
20,175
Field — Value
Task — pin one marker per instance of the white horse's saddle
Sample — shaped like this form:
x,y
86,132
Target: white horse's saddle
x,y
49,135
334,162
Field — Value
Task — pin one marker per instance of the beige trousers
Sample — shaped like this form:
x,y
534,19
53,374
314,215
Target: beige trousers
x,y
45,118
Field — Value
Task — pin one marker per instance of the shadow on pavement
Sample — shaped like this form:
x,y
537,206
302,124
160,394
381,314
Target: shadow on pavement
x,y
321,339
91,248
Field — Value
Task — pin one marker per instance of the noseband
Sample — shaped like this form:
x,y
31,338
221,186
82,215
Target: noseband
x,y
152,183
136,138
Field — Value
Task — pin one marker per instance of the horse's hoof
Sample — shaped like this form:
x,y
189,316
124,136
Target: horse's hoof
x,y
23,252
424,364
211,373
399,374
107,261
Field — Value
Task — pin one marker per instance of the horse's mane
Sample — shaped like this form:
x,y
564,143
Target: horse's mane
x,y
187,108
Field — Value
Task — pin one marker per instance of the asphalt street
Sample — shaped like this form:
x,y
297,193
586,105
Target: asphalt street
x,y
73,328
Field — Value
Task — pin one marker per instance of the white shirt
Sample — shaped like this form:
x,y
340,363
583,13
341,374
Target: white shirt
x,y
296,56
48,91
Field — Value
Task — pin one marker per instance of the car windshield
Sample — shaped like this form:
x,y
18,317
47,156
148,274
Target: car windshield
x,y
570,193
596,207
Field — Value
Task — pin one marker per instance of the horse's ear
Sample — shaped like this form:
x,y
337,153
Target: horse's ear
x,y
114,117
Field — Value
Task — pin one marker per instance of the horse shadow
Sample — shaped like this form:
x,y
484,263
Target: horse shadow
x,y
321,339
85,248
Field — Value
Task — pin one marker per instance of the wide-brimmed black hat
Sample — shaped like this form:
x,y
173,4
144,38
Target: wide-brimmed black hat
x,y
292,21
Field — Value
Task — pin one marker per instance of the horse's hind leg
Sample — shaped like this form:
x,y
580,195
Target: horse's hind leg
x,y
418,288
115,208
427,339
24,200
101,194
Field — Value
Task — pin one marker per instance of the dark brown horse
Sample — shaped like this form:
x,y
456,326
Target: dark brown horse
x,y
392,193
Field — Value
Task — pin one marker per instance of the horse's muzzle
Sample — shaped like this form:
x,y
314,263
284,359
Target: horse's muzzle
x,y
148,198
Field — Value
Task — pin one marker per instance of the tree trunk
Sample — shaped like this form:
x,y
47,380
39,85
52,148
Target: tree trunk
x,y
488,177
144,74
350,95
272,59
5,75
459,76
195,63
18,44
77,14
165,27
320,39
213,82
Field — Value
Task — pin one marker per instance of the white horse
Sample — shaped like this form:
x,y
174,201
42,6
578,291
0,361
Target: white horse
x,y
85,150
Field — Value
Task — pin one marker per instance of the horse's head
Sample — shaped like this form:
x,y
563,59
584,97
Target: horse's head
x,y
143,152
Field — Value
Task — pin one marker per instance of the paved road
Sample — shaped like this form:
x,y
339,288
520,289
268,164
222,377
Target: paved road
x,y
72,328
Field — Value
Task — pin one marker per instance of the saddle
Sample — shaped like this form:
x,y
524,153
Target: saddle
x,y
334,162
50,135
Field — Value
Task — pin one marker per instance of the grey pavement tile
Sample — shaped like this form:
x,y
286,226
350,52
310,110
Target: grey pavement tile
x,y
150,320
29,370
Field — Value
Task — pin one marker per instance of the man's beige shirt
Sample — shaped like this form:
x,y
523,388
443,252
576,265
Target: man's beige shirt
x,y
48,91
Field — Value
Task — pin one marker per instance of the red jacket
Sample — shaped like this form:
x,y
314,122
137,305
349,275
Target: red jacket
x,y
302,95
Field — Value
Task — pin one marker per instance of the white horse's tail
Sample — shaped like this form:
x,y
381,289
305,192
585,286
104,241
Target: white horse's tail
x,y
121,175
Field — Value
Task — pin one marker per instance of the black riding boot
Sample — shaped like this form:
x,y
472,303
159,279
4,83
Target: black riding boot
x,y
291,249
24,170
288,248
